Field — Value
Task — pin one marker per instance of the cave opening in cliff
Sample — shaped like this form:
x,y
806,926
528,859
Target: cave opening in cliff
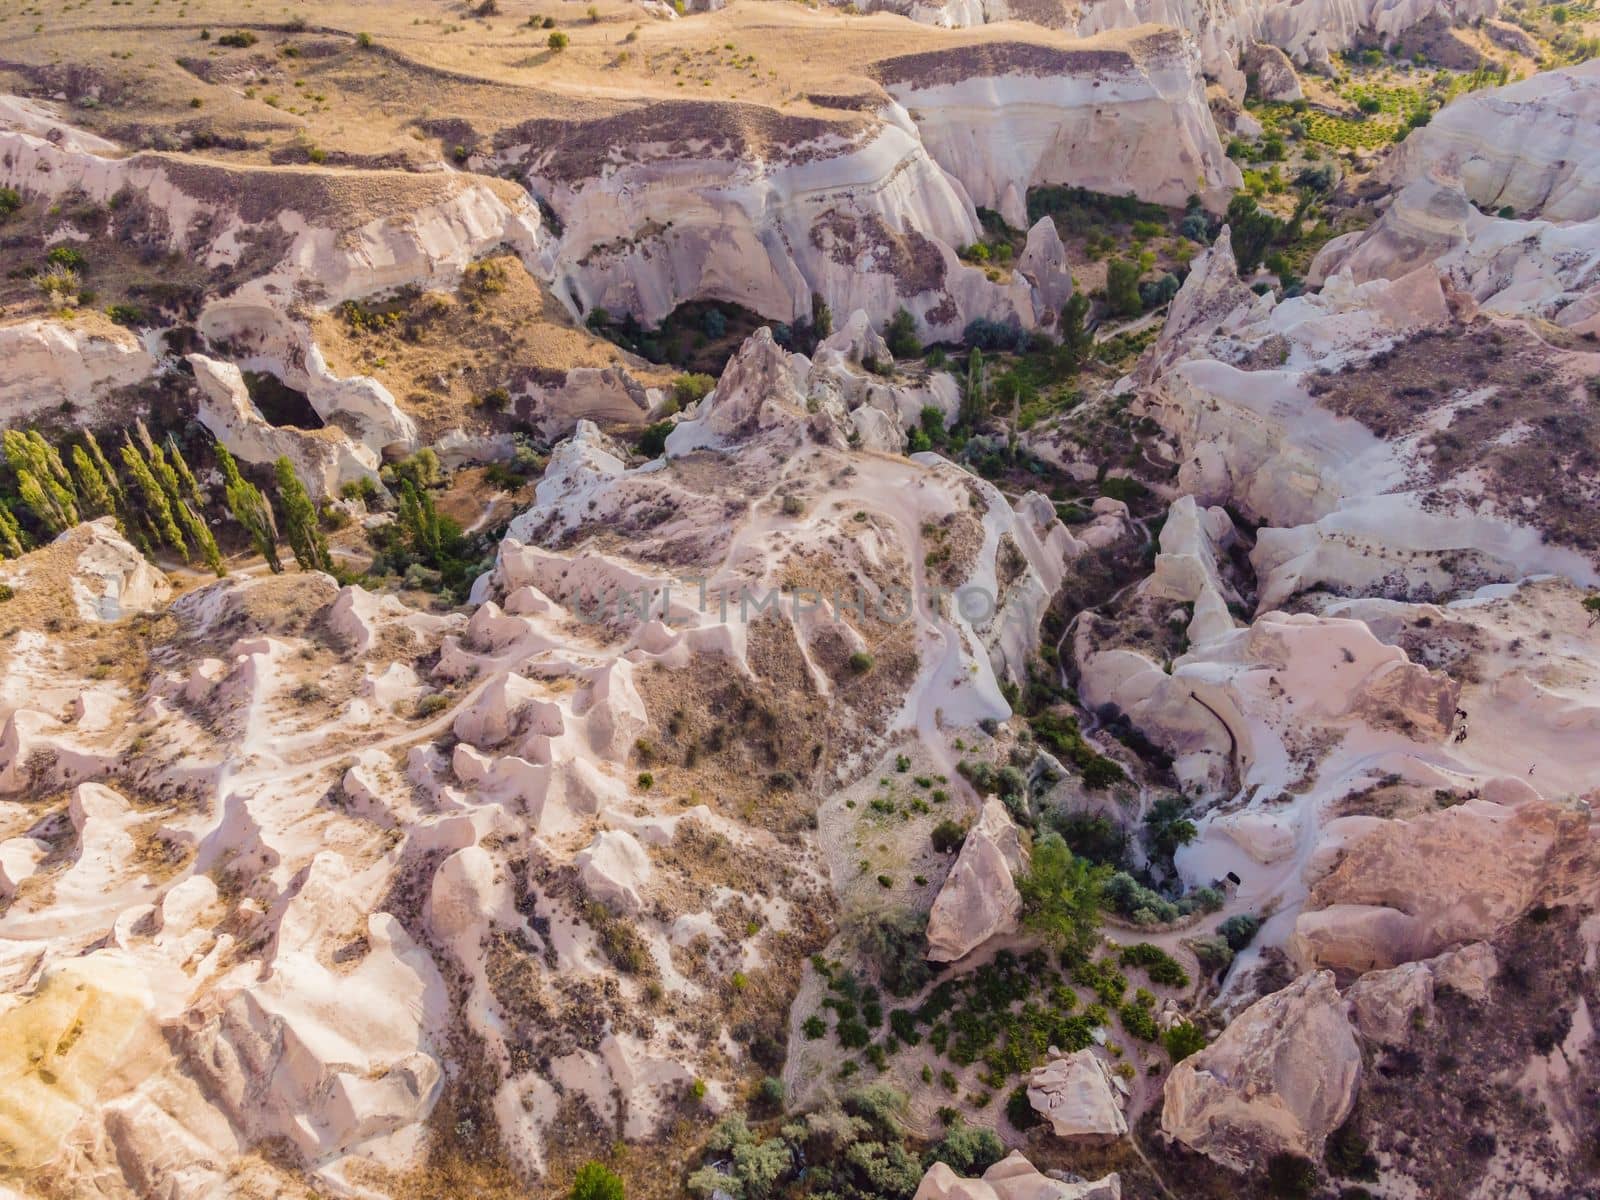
x,y
280,404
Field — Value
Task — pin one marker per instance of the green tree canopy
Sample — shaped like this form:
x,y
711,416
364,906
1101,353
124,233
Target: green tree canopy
x,y
1061,895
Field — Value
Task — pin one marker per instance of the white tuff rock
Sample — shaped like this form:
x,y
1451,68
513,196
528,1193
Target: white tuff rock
x,y
1280,1078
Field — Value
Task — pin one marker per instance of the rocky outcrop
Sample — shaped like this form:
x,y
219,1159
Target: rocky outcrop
x,y
274,237
979,898
1505,264
607,395
1520,151
1043,263
1272,74
324,459
1235,702
1079,1097
1003,118
1310,33
855,212
739,204
1013,1178
1409,889
101,575
1279,1079
1187,567
51,363
1527,146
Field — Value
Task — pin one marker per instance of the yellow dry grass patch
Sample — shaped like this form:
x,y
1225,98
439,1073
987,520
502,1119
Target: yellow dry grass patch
x,y
60,1048
426,80
445,352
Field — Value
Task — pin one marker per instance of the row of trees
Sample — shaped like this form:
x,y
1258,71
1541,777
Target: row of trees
x,y
155,499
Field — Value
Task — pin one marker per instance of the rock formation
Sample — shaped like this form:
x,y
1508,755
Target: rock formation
x,y
1079,1097
1012,1178
1279,1079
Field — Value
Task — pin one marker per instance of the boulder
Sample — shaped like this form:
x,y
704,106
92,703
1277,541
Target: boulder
x,y
615,869
1013,1178
1386,1004
1281,1077
1044,265
1410,889
1469,970
979,898
1272,74
1080,1098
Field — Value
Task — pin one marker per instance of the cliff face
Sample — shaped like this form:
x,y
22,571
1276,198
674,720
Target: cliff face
x,y
1529,146
865,218
1308,32
1525,153
1013,117
274,240
730,203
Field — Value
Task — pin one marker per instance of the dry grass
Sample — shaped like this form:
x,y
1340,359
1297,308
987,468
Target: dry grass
x,y
1513,422
433,80
440,354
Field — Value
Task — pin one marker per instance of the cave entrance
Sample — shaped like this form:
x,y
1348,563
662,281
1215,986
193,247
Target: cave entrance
x,y
279,403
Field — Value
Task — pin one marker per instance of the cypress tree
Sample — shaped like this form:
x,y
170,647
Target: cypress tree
x,y
91,486
107,472
973,399
42,480
250,508
185,476
300,521
200,533
43,505
155,498
10,534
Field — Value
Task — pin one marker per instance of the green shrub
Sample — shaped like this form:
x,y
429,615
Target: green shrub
x,y
968,1151
7,593
653,441
1020,1112
687,389
66,256
242,39
1239,930
558,41
594,1182
1122,287
10,201
861,662
127,314
900,334
1094,836
895,943
1291,1177
1158,964
1183,1039
948,836
1347,1154
1138,1020
1061,895
427,706
1214,953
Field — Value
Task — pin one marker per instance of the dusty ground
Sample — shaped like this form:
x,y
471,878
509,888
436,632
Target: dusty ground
x,y
306,90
